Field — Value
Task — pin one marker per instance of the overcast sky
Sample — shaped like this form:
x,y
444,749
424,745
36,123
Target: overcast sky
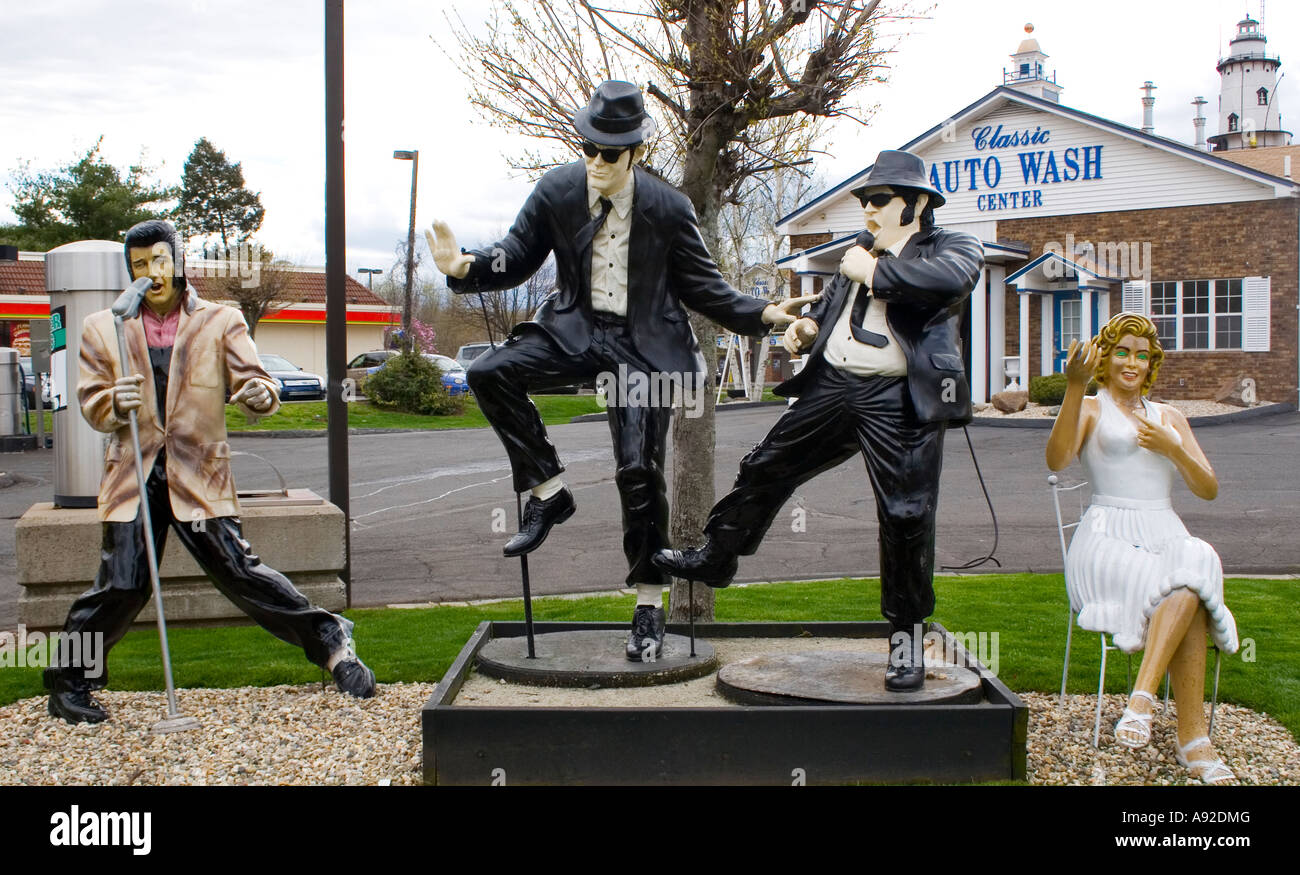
x,y
249,76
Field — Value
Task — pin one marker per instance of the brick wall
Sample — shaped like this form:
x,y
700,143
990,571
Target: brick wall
x,y
800,242
1217,241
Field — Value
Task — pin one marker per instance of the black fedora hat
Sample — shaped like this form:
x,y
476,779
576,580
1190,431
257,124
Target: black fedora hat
x,y
615,116
899,170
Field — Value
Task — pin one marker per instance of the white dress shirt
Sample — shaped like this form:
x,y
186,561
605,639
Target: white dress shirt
x,y
609,250
848,354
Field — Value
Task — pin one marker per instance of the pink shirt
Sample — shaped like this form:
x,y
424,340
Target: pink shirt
x,y
160,331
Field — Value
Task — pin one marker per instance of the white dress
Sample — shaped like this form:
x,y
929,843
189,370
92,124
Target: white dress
x,y
1131,550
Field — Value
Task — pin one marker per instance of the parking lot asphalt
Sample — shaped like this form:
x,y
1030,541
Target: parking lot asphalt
x,y
428,508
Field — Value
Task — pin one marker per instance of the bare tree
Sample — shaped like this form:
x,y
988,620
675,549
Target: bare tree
x,y
506,309
258,286
749,244
721,71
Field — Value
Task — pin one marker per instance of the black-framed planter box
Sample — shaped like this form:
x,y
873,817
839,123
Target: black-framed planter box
x,y
733,744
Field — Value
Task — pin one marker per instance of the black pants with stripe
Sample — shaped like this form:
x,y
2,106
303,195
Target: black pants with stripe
x,y
838,415
122,586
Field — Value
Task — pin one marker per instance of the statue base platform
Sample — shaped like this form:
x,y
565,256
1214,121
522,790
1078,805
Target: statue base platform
x,y
587,658
687,734
836,678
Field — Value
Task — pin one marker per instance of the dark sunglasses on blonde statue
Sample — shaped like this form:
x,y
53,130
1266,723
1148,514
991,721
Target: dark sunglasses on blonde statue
x,y
879,200
611,156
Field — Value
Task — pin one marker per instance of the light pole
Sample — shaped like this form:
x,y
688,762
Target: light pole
x,y
370,280
414,157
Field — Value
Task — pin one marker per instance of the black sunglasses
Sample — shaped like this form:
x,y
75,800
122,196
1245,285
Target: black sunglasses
x,y
611,156
879,200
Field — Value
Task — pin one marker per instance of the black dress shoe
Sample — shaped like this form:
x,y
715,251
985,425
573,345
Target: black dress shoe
x,y
646,643
707,564
539,516
70,697
352,677
906,671
76,706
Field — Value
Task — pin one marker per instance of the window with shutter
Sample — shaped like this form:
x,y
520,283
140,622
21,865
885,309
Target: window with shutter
x,y
1256,304
1134,297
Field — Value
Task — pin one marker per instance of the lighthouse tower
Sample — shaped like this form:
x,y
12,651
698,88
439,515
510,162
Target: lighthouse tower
x,y
1249,114
1028,73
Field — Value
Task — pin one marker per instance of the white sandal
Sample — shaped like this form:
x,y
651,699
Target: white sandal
x,y
1138,725
1214,771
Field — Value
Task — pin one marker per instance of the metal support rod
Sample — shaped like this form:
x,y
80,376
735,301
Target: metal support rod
x,y
336,338
407,304
146,520
528,595
690,597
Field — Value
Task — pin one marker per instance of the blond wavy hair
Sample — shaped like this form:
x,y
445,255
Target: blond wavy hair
x,y
1119,326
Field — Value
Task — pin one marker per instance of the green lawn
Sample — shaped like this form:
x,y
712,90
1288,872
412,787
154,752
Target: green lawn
x,y
27,422
555,410
1027,612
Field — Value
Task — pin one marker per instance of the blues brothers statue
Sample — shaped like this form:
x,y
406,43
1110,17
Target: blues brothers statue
x,y
628,257
884,377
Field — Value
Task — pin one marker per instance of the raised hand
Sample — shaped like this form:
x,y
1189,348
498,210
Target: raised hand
x,y
446,254
858,265
787,311
1081,362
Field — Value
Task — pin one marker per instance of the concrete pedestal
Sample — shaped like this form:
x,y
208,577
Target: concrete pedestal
x,y
58,554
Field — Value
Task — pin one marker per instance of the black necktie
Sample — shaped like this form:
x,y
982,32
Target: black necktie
x,y
859,315
588,231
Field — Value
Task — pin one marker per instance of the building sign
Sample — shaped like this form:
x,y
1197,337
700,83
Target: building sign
x,y
20,338
58,358
1013,180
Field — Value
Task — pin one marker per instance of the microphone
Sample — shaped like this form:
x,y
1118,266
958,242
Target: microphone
x,y
866,240
127,305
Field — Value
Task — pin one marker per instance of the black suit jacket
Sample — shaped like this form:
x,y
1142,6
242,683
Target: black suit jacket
x,y
668,266
924,288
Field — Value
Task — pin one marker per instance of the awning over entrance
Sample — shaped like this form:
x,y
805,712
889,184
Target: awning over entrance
x,y
1074,299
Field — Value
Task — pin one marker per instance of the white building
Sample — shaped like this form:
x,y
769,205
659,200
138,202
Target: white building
x,y
1082,216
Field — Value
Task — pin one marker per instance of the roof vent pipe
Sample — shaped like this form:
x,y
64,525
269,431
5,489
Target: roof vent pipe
x,y
1148,107
1199,121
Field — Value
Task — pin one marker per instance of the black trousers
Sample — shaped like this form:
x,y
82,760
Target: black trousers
x,y
530,361
122,587
840,414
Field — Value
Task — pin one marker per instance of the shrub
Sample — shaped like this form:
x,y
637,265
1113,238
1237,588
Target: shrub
x,y
412,384
1047,389
1050,389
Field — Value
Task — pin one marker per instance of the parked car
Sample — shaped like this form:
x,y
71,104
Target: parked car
x,y
295,384
453,374
471,351
368,362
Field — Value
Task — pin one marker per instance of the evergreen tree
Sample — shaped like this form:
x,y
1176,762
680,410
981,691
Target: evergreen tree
x,y
88,199
214,200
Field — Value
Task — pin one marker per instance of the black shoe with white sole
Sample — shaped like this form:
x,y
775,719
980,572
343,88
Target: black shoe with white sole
x,y
646,643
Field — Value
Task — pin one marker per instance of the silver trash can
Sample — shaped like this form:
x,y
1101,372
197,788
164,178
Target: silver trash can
x,y
82,278
11,387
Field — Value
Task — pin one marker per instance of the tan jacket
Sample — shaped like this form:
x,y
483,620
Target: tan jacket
x,y
212,351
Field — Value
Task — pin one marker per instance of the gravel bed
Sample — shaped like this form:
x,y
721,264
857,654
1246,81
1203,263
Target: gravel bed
x,y
1255,746
253,735
301,735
